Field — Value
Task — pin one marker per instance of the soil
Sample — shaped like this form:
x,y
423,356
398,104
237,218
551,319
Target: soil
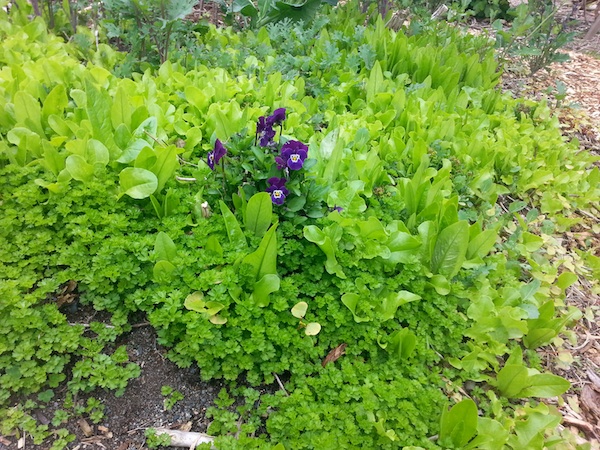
x,y
142,405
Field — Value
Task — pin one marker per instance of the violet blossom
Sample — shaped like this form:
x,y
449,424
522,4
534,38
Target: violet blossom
x,y
264,131
293,154
264,128
277,117
215,155
277,190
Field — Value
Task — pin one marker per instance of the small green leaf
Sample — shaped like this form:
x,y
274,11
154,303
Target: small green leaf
x,y
145,159
262,288
98,111
392,302
56,102
536,337
512,379
440,284
53,160
121,109
481,244
264,259
165,166
517,206
402,343
325,243
532,241
137,183
78,167
164,247
213,308
351,300
163,271
566,279
299,310
245,7
545,385
459,425
218,320
213,245
96,153
195,302
234,231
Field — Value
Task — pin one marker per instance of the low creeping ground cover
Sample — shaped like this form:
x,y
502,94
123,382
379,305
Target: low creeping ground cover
x,y
358,212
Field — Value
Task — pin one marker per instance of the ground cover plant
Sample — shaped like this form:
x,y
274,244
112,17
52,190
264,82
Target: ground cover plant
x,y
355,211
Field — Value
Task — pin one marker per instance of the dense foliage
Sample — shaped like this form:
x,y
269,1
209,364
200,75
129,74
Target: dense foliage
x,y
416,227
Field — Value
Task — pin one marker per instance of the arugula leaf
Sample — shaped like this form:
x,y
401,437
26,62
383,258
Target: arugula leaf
x,y
137,183
258,212
264,259
450,249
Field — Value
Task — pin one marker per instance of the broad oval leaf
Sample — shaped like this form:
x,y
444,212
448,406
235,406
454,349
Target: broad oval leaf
x,y
97,153
440,284
299,310
146,158
312,329
137,183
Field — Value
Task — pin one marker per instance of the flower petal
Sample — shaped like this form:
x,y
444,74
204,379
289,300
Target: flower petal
x,y
277,117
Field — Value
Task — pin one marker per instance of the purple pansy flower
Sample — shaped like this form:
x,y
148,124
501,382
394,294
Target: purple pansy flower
x,y
264,131
277,189
293,153
216,154
277,117
281,163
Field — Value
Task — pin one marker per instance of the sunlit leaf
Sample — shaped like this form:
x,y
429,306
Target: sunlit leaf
x,y
312,329
299,309
137,183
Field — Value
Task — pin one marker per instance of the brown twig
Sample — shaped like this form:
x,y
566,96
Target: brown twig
x,y
280,384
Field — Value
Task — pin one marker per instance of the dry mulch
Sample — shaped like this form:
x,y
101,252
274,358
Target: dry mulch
x,y
579,114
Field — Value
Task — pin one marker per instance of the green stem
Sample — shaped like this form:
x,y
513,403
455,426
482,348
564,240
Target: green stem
x,y
223,177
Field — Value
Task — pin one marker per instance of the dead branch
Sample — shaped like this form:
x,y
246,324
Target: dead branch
x,y
188,439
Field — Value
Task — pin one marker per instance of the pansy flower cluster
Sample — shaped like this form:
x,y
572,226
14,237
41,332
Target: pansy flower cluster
x,y
264,128
288,159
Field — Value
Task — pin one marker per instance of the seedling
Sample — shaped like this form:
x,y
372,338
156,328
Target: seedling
x,y
299,311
